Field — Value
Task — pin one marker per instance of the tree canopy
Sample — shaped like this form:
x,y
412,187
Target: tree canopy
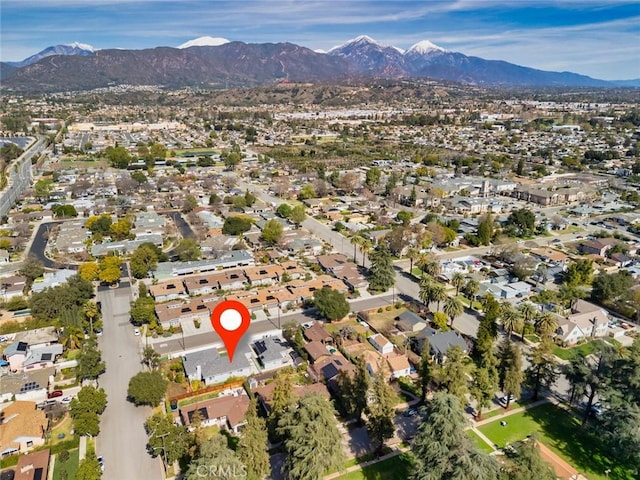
x,y
147,388
330,303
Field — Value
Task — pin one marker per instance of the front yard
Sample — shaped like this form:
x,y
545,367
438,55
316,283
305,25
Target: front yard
x,y
70,466
392,468
568,353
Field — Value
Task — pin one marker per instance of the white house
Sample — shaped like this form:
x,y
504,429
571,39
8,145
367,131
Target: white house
x,y
381,344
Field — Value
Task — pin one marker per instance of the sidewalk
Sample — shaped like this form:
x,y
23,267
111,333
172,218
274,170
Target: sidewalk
x,y
506,413
82,448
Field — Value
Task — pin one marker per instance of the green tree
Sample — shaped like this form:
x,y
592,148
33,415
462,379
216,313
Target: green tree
x,y
89,468
236,225
272,231
458,281
381,409
483,387
144,259
579,272
404,217
523,220
453,375
190,203
312,441
425,370
511,318
139,177
147,388
485,229
298,215
90,364
372,178
217,459
85,410
453,308
150,357
381,273
330,303
188,250
253,448
282,400
510,370
546,325
64,211
284,210
167,440
442,449
99,225
471,289
526,463
42,189
117,156
306,192
143,311
31,268
542,370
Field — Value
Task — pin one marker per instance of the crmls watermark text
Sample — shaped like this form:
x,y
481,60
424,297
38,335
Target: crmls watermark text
x,y
221,471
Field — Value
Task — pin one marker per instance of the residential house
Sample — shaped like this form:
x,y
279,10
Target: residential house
x,y
264,274
598,246
399,366
42,357
53,279
317,333
211,368
410,322
232,259
327,368
439,343
165,291
15,354
381,344
196,309
265,392
29,385
12,286
4,256
23,428
72,236
316,350
587,320
38,337
227,412
33,466
148,223
273,353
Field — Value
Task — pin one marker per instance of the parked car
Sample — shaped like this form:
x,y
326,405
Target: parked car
x,y
98,332
101,462
410,413
136,331
66,400
55,393
503,400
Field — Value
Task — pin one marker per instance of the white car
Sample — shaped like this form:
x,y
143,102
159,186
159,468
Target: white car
x,y
136,331
101,462
66,400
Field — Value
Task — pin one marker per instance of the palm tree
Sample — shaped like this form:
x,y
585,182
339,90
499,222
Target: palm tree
x,y
439,293
422,262
90,310
412,254
511,320
546,325
72,337
453,308
426,291
365,247
471,289
356,240
457,281
528,312
432,268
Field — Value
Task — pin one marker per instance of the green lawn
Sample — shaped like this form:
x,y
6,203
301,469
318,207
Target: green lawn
x,y
71,466
561,432
394,468
480,443
568,353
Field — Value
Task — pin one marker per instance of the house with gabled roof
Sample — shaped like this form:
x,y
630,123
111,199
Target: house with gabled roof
x,y
226,412
587,320
169,290
410,322
23,428
381,344
33,466
210,367
439,343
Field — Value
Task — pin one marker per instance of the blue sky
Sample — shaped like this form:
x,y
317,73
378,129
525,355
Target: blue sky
x,y
600,38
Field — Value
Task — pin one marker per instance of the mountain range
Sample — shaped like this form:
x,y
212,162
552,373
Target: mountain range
x,y
217,62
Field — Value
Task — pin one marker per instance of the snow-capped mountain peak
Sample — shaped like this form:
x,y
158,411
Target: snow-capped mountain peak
x,y
81,46
425,46
359,40
204,42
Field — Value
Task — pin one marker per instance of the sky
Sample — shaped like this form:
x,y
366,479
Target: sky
x,y
599,38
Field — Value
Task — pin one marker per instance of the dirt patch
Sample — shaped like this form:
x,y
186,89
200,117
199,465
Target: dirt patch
x,y
563,469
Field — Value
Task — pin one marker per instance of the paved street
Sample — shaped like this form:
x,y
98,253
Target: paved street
x,y
122,437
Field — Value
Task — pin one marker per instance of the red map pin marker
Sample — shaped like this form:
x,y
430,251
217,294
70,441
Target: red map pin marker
x,y
230,319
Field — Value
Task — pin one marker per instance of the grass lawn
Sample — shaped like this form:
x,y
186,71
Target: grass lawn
x,y
562,433
480,443
71,465
384,321
568,353
532,338
199,398
394,468
65,427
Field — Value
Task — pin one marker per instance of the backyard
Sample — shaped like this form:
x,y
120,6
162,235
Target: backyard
x,y
562,433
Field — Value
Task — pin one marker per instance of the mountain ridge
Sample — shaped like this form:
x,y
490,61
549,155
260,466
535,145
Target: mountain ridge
x,y
215,61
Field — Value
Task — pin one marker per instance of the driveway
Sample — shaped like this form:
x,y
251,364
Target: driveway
x,y
122,437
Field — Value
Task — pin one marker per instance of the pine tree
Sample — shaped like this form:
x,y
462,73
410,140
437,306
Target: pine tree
x,y
381,273
453,375
541,371
425,370
441,448
510,370
484,385
381,410
253,445
312,441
